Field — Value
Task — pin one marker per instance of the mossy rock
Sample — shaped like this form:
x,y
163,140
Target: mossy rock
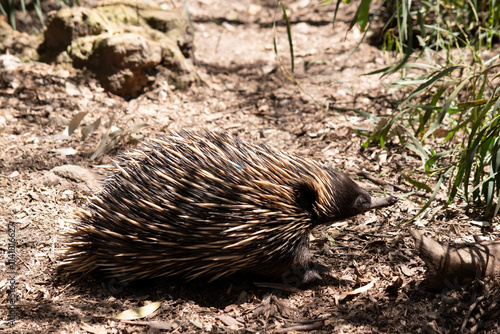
x,y
122,43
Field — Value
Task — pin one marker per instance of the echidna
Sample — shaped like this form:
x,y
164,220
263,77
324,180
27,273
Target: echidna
x,y
208,204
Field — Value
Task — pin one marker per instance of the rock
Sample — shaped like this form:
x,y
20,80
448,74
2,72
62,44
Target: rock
x,y
77,174
71,176
9,62
66,25
123,62
122,43
18,43
9,78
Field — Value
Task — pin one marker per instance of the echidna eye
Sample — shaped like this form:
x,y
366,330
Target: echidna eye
x,y
361,201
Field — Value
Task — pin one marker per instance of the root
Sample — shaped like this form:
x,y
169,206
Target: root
x,y
451,266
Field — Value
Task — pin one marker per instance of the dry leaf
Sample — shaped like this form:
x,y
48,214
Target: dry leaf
x,y
138,312
362,289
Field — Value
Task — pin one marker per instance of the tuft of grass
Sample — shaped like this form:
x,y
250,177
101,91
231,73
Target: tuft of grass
x,y
289,74
9,9
111,137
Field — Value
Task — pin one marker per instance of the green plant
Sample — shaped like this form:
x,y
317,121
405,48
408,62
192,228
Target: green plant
x,y
457,141
112,136
449,111
9,10
289,74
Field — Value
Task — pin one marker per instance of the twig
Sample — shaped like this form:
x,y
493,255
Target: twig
x,y
312,326
469,312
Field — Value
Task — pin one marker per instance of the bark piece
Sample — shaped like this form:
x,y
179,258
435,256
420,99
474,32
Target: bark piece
x,y
449,266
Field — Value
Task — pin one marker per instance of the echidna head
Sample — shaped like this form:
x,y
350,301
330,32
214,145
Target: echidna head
x,y
334,196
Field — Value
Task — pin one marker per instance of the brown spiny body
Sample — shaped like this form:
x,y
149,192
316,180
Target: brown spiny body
x,y
207,204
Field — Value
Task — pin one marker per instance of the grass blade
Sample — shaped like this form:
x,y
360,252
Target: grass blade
x,y
445,108
429,82
289,33
364,14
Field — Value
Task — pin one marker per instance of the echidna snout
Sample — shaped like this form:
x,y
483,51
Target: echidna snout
x,y
209,205
364,202
343,198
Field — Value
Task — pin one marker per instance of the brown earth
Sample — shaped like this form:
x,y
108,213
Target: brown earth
x,y
243,91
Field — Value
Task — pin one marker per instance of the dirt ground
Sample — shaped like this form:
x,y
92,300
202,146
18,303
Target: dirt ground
x,y
244,93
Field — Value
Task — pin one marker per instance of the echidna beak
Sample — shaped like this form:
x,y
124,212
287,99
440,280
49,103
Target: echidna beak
x,y
382,202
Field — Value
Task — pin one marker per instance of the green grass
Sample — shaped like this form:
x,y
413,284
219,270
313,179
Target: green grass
x,y
9,9
448,108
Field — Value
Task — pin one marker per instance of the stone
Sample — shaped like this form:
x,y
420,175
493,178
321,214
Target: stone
x,y
123,43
